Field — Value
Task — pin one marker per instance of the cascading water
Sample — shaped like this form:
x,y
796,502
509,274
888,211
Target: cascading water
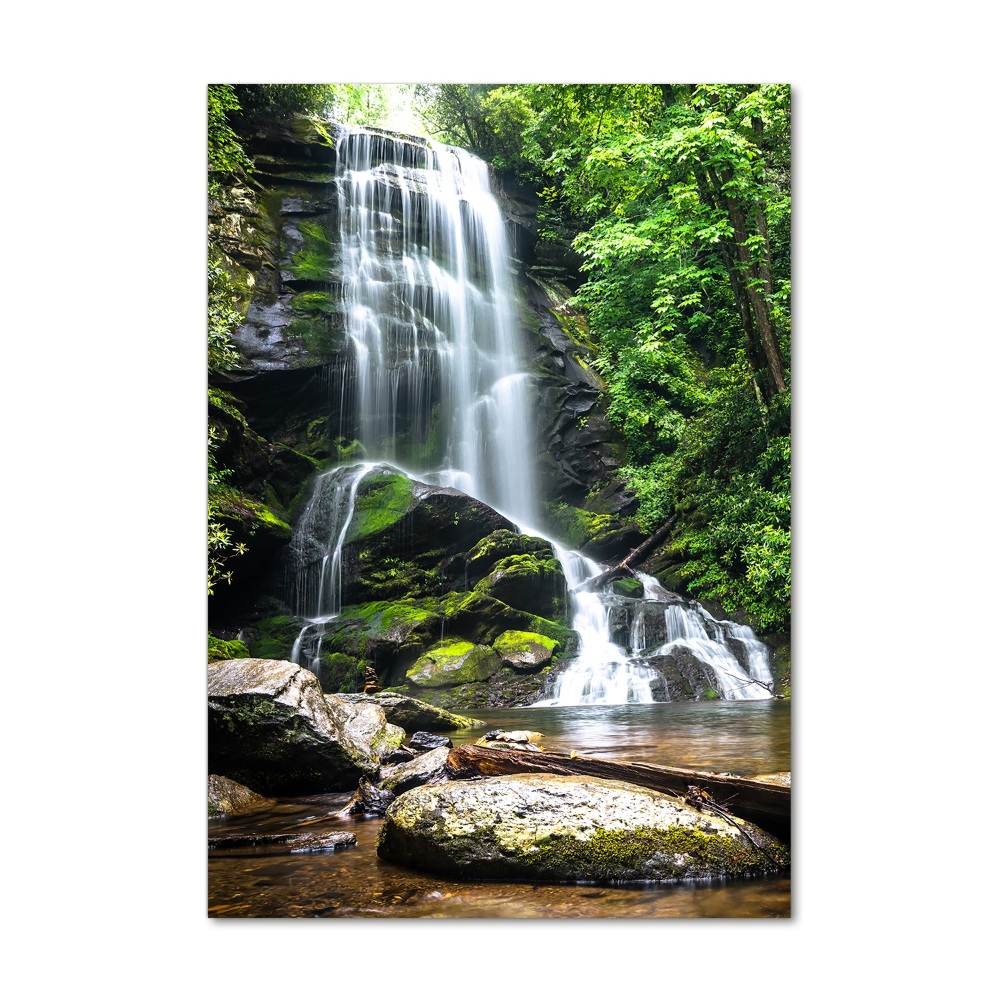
x,y
430,310
438,386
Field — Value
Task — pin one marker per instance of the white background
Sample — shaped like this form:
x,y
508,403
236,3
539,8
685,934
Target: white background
x,y
895,332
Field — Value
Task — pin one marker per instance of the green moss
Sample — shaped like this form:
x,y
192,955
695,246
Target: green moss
x,y
314,332
709,694
339,672
451,662
499,544
222,649
307,303
314,262
381,502
576,527
275,637
627,587
613,855
515,642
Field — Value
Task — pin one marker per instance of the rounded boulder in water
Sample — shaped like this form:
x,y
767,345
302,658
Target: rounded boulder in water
x,y
562,829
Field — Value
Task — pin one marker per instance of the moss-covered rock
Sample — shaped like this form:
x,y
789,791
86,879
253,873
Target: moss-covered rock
x,y
532,582
526,651
555,829
452,662
482,557
365,723
272,638
627,586
222,649
414,715
600,536
340,673
782,646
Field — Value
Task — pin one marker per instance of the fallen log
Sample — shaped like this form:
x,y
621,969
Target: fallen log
x,y
636,555
765,803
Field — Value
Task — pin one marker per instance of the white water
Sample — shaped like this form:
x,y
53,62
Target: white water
x,y
440,385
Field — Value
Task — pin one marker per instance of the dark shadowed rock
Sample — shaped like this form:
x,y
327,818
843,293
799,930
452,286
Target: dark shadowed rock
x,y
271,728
282,843
545,828
422,742
427,767
368,801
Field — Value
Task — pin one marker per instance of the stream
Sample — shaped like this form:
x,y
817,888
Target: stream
x,y
749,737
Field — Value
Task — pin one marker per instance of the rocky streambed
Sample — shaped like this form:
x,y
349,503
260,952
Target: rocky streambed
x,y
274,732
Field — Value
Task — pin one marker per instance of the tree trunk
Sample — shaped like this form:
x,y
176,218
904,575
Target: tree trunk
x,y
636,555
751,283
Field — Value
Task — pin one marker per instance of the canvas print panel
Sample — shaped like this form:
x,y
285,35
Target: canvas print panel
x,y
499,500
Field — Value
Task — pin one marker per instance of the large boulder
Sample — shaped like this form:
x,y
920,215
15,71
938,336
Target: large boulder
x,y
364,723
527,651
414,715
554,829
453,662
271,728
532,582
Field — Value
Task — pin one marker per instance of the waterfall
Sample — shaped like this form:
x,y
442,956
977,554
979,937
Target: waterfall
x,y
439,389
430,308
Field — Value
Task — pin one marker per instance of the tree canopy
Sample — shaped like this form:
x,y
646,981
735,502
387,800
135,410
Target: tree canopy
x,y
678,199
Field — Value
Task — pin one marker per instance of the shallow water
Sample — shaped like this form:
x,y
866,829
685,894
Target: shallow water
x,y
738,737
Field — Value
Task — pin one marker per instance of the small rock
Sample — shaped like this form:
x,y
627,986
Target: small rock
x,y
422,742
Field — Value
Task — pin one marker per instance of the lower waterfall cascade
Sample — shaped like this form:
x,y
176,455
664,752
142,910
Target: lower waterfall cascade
x,y
430,308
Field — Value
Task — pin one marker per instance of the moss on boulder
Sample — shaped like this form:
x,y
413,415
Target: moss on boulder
x,y
527,651
557,829
495,546
414,715
452,662
531,581
222,649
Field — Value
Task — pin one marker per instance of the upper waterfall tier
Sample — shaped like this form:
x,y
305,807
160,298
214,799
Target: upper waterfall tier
x,y
429,307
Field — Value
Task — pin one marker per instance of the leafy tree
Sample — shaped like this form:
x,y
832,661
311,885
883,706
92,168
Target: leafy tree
x,y
679,197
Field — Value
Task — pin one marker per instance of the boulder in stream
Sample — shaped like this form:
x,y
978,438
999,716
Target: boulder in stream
x,y
558,829
229,798
271,728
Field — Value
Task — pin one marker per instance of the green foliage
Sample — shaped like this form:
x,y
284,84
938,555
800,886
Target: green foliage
x,y
656,179
225,152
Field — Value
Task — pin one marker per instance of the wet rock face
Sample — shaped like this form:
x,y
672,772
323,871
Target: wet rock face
x,y
579,447
685,676
549,828
365,724
229,798
271,728
428,767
